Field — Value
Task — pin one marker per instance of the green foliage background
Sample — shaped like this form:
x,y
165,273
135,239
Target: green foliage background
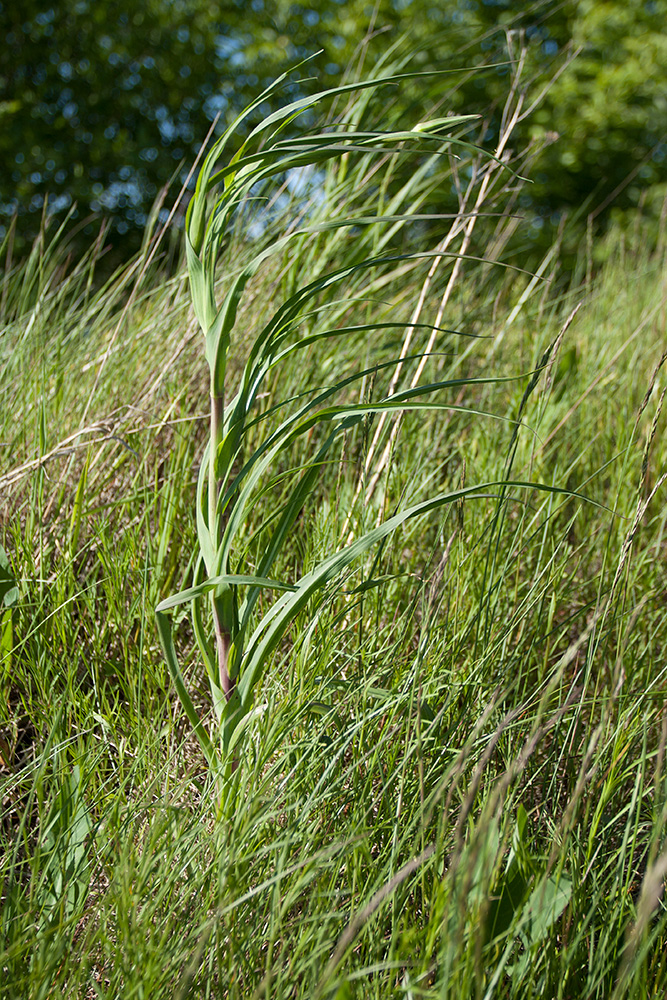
x,y
101,104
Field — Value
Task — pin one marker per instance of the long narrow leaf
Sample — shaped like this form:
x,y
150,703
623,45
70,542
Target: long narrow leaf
x,y
167,642
271,630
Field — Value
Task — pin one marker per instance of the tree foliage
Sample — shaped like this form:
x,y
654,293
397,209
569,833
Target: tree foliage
x,y
102,104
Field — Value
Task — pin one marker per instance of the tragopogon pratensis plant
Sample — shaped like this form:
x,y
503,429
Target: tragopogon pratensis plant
x,y
235,653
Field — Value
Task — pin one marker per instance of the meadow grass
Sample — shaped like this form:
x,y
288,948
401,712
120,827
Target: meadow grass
x,y
453,783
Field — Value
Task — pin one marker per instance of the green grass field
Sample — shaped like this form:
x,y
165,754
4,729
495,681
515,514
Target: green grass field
x,y
452,782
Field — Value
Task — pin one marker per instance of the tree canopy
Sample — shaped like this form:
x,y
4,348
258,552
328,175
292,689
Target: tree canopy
x,y
101,104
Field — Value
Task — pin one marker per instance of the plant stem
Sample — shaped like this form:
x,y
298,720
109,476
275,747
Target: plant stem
x,y
223,641
223,636
217,424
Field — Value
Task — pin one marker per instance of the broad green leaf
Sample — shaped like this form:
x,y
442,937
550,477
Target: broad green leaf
x,y
9,592
546,904
6,638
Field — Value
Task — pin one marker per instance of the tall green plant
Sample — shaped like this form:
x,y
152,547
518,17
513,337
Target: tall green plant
x,y
235,654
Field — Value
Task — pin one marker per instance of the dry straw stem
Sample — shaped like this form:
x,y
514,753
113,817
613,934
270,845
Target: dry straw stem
x,y
489,173
104,428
